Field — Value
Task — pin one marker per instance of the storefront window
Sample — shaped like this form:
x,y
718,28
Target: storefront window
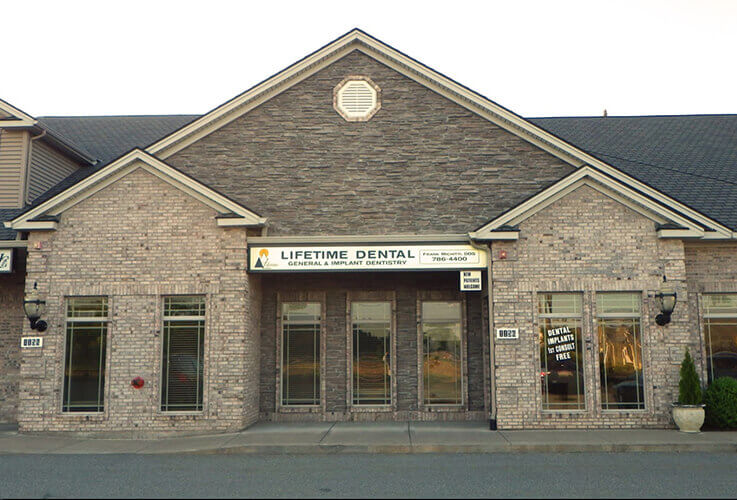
x,y
300,381
442,357
84,370
561,355
720,324
371,325
620,351
183,353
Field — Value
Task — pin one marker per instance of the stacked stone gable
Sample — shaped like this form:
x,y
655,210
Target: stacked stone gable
x,y
421,165
134,242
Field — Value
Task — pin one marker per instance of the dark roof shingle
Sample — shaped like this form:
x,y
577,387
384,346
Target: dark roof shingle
x,y
691,158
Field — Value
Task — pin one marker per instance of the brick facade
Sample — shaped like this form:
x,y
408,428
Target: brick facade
x,y
11,323
421,165
134,242
711,267
587,242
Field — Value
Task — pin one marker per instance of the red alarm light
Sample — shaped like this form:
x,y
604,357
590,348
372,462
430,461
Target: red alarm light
x,y
137,382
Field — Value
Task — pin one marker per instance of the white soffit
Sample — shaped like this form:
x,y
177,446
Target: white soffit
x,y
610,187
134,160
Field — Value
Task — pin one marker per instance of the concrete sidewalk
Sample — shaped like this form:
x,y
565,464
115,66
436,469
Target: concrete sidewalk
x,y
389,437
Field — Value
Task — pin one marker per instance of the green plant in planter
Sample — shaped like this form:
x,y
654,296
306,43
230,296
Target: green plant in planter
x,y
721,403
689,388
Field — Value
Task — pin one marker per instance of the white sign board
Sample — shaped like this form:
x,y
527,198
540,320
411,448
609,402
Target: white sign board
x,y
507,333
6,260
470,281
33,342
370,257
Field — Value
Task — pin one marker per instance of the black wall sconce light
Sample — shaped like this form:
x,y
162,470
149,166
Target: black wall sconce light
x,y
666,300
34,309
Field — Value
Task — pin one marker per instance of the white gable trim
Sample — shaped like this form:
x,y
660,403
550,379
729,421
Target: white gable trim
x,y
612,188
20,119
120,168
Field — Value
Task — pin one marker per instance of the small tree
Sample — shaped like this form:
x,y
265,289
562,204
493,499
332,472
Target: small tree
x,y
689,388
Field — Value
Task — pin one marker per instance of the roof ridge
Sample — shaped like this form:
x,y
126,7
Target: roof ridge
x,y
119,116
629,116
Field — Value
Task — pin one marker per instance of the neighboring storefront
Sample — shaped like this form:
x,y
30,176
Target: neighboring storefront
x,y
361,238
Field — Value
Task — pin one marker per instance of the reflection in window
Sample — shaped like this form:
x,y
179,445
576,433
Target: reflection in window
x,y
371,325
620,351
84,370
300,353
560,351
441,366
183,355
720,323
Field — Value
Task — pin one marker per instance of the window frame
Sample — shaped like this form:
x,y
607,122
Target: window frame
x,y
539,320
361,297
442,297
310,297
205,349
704,317
65,353
641,316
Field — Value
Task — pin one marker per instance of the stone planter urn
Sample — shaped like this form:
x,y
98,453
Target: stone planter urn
x,y
688,418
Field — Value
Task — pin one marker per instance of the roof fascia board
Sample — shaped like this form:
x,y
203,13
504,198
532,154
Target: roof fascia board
x,y
495,235
362,238
604,184
29,225
127,163
16,124
679,233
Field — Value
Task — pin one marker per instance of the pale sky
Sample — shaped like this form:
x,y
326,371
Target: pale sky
x,y
538,58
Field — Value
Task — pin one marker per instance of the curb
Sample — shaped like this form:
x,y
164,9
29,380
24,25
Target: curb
x,y
465,449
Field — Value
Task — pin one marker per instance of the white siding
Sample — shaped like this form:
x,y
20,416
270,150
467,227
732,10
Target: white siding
x,y
12,168
48,168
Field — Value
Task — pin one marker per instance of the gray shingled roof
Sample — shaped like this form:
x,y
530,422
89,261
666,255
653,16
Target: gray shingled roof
x,y
7,214
107,137
690,158
104,138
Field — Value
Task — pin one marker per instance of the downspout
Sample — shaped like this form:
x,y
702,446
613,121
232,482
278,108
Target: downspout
x,y
490,323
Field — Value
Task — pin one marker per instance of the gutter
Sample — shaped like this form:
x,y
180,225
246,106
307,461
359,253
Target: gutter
x,y
490,322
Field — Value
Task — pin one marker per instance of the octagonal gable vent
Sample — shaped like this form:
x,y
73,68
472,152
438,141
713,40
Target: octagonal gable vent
x,y
356,98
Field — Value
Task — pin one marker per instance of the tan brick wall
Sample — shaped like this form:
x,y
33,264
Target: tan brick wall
x,y
711,267
587,242
135,241
11,324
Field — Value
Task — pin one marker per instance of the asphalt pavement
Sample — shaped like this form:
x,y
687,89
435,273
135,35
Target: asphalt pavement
x,y
573,475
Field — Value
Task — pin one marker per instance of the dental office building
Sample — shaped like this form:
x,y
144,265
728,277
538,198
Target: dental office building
x,y
359,237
